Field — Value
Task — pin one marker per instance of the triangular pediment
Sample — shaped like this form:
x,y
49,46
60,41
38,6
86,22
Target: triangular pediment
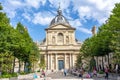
x,y
60,26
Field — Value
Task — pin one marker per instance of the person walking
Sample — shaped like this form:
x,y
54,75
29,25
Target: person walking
x,y
106,72
65,72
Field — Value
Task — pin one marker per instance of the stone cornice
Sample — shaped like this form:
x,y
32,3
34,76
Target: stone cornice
x,y
60,29
68,27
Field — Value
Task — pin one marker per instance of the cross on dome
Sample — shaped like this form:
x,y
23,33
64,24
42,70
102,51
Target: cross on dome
x,y
59,10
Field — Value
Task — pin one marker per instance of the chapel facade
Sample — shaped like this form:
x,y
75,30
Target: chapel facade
x,y
60,47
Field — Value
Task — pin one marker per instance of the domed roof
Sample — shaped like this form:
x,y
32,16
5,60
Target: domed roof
x,y
59,18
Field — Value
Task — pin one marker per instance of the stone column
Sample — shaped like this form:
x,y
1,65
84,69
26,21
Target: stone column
x,y
51,61
45,58
64,60
56,63
70,61
48,61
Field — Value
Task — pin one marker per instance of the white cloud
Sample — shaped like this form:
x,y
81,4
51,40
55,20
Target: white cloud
x,y
85,30
78,25
64,4
84,12
94,9
15,5
98,10
12,7
27,16
35,3
42,18
75,23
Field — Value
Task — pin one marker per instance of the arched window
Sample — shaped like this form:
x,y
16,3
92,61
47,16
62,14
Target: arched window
x,y
60,38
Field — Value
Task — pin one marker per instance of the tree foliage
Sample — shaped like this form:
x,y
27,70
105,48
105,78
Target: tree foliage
x,y
1,7
29,52
15,43
79,61
114,29
107,38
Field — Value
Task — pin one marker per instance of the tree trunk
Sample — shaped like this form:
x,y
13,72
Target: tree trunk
x,y
33,67
13,65
108,60
97,66
24,66
102,64
19,66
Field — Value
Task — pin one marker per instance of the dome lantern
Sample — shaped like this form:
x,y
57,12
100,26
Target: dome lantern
x,y
59,18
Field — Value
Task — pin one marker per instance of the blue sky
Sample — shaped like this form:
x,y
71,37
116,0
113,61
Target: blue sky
x,y
36,15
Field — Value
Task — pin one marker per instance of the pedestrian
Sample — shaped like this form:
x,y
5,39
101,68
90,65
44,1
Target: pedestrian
x,y
106,72
88,75
65,72
116,68
43,73
81,72
35,76
94,72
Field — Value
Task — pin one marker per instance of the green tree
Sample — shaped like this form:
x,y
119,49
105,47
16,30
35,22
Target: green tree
x,y
92,64
7,61
85,48
1,7
42,62
79,61
25,44
97,45
6,41
15,44
34,56
30,52
106,40
114,29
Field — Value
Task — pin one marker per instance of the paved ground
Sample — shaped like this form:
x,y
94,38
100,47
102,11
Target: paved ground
x,y
59,76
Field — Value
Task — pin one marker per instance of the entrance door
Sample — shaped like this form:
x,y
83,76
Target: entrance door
x,y
60,64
